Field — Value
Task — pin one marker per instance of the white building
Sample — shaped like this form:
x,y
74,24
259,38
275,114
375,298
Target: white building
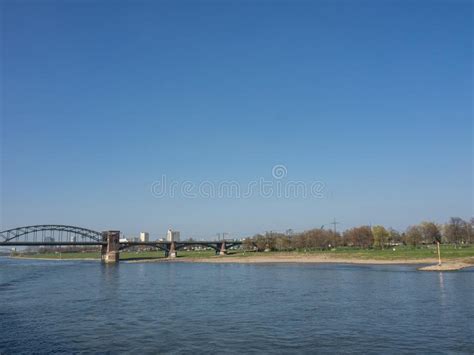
x,y
129,239
172,236
144,237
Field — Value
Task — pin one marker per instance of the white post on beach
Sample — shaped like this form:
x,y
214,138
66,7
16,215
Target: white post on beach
x,y
439,254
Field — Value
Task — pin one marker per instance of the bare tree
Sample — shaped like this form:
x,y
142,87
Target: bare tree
x,y
431,232
380,236
359,237
394,236
413,236
457,231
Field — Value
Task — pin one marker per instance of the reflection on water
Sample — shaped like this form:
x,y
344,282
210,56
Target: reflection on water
x,y
441,281
442,291
193,308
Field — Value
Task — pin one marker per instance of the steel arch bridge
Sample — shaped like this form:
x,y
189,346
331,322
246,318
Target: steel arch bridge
x,y
50,234
109,241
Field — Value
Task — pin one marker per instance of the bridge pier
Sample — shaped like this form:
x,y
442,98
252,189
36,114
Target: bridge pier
x,y
223,250
110,253
172,252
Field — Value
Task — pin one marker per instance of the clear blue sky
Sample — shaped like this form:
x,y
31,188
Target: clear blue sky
x,y
100,99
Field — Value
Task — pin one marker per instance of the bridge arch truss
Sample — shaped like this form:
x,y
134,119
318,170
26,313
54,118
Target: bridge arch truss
x,y
50,234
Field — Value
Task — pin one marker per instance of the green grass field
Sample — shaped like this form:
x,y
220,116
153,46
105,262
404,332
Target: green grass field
x,y
396,253
400,252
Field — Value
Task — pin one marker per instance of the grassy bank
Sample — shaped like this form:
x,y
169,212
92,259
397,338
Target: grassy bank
x,y
396,253
392,254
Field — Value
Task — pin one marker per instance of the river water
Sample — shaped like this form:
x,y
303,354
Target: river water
x,y
80,306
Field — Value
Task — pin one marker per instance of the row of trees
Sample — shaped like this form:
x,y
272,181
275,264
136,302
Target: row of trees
x,y
456,231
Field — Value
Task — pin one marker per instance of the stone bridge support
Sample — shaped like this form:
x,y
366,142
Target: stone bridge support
x,y
110,252
172,252
223,249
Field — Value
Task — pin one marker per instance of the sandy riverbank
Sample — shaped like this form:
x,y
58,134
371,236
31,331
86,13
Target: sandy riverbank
x,y
447,266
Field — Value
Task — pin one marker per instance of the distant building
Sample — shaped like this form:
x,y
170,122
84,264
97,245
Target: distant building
x,y
144,237
172,236
131,239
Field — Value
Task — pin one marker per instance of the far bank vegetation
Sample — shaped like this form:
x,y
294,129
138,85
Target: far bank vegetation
x,y
456,231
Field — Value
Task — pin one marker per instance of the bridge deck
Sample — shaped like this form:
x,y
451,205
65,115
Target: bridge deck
x,y
79,243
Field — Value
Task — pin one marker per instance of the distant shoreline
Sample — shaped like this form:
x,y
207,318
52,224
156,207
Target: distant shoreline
x,y
429,264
